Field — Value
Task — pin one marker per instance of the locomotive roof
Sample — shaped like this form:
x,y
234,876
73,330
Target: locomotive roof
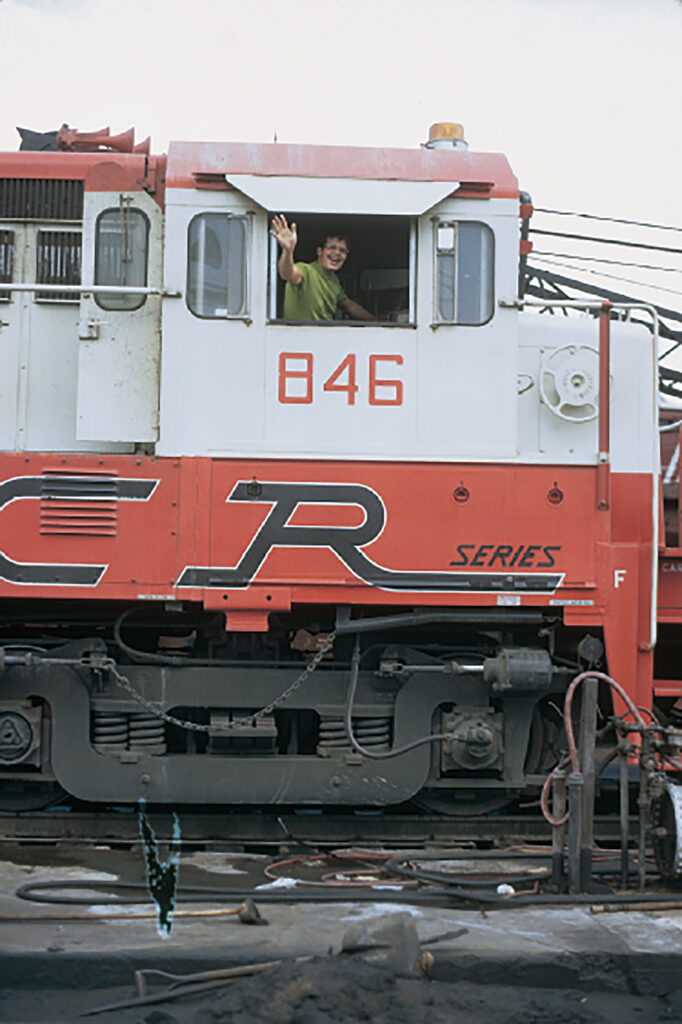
x,y
66,166
488,173
204,164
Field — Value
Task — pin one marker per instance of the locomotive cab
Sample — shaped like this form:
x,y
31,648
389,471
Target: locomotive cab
x,y
430,257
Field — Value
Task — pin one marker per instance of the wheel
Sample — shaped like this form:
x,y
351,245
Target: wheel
x,y
667,818
462,803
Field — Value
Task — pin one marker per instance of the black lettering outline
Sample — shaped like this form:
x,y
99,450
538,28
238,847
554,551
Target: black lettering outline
x,y
345,542
529,556
479,557
460,552
502,551
65,574
550,558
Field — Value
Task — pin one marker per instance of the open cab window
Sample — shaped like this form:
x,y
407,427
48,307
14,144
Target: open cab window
x,y
379,273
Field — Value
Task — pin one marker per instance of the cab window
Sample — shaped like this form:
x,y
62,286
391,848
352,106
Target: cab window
x,y
379,272
463,273
121,250
216,267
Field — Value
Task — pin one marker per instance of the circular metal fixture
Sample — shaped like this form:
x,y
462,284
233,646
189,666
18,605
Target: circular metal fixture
x,y
555,495
16,737
569,383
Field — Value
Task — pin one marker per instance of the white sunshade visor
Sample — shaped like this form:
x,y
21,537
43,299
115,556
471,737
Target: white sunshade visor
x,y
342,195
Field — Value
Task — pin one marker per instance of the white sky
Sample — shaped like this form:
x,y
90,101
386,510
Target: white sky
x,y
584,96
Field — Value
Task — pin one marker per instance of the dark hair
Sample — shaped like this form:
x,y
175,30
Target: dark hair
x,y
333,233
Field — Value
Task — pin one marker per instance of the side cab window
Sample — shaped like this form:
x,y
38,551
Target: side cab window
x,y
379,273
216,266
463,273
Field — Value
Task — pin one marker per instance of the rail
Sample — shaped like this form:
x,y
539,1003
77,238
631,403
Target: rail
x,y
90,289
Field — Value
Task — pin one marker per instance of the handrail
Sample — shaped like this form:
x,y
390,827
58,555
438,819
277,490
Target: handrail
x,y
95,289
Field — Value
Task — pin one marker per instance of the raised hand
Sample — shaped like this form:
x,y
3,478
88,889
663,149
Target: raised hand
x,y
285,235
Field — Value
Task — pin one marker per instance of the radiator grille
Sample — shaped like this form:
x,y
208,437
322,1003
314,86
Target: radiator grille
x,y
41,199
79,504
58,261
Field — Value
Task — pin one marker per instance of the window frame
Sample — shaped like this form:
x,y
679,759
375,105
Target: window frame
x,y
100,297
412,257
8,249
454,223
247,218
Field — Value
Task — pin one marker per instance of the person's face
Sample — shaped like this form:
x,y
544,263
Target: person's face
x,y
332,255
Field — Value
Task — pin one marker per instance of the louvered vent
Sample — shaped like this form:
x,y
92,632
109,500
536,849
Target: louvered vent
x,y
41,199
58,261
83,505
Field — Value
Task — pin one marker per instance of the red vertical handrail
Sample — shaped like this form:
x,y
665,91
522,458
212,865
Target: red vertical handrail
x,y
679,488
604,454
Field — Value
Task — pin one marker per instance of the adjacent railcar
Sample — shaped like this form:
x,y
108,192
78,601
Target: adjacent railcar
x,y
249,561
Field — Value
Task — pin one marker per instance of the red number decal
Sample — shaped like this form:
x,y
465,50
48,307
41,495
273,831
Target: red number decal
x,y
378,382
350,387
286,373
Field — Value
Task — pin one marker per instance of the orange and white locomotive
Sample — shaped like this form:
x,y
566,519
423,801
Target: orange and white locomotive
x,y
250,561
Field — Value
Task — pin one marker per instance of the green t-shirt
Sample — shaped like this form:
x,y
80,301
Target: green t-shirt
x,y
316,297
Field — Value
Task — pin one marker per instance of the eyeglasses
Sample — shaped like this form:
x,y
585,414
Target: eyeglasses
x,y
333,247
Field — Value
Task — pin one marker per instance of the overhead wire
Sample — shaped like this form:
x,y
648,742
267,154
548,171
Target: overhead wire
x,y
615,263
605,241
612,220
604,273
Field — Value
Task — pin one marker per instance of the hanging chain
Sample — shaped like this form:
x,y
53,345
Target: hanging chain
x,y
109,665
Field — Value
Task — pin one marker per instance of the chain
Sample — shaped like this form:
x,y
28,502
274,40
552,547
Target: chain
x,y
109,665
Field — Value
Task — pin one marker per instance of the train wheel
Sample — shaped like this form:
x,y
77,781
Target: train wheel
x,y
667,816
20,795
462,803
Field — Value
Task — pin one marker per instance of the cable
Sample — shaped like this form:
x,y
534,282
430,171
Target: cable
x,y
572,758
611,277
348,721
148,657
612,220
615,263
606,241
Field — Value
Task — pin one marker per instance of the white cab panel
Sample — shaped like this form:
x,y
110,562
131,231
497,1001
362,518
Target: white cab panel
x,y
548,431
243,386
39,356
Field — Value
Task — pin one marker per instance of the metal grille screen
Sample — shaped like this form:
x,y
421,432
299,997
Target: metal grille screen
x,y
58,261
41,199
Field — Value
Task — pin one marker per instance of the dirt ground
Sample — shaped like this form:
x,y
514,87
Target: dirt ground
x,y
343,989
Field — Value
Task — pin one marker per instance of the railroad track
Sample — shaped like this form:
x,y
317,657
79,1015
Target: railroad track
x,y
214,830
